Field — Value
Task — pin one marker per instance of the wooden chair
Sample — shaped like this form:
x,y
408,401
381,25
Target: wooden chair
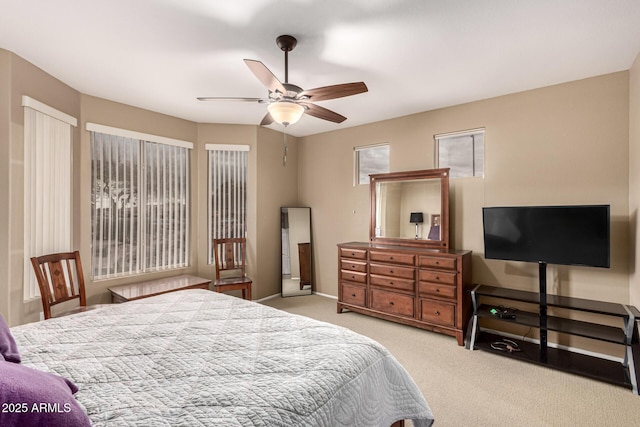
x,y
61,280
230,255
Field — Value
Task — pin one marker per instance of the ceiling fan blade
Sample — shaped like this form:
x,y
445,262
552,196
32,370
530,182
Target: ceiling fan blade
x,y
334,91
322,113
265,76
266,120
223,98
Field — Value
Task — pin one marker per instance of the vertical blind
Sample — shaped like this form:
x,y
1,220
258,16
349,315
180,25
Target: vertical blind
x,y
115,214
227,198
167,237
47,185
140,202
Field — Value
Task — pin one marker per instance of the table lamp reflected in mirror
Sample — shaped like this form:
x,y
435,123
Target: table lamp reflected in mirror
x,y
416,218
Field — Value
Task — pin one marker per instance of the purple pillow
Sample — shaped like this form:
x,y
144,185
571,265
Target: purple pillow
x,y
8,347
29,397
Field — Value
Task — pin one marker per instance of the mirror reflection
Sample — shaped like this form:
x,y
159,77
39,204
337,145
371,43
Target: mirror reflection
x,y
295,230
408,209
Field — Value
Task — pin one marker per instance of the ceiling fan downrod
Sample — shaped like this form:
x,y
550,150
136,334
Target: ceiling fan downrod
x,y
286,43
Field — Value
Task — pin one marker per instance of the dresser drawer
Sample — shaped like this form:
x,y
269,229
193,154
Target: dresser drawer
x,y
353,276
437,312
353,253
437,277
392,282
355,295
436,262
437,290
393,271
348,264
394,257
392,303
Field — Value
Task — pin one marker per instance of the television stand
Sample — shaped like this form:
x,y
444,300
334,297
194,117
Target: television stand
x,y
624,374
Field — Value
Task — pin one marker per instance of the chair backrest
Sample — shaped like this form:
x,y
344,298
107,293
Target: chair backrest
x,y
230,254
60,279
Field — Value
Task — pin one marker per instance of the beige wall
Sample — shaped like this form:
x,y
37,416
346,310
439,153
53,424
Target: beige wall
x,y
270,184
222,134
109,113
24,78
5,171
634,181
276,187
565,144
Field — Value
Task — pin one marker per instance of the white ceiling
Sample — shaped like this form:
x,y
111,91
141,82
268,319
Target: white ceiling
x,y
414,55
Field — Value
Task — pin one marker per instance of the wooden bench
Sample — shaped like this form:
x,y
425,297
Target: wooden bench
x,y
151,288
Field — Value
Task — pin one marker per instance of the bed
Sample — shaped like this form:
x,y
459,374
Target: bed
x,y
200,358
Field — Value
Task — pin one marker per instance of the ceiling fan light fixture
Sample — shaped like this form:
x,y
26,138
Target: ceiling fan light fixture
x,y
285,112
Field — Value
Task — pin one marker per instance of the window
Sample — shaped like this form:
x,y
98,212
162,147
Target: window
x,y
47,185
369,160
140,202
462,152
227,192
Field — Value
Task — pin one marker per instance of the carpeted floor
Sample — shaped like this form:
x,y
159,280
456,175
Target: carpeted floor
x,y
476,388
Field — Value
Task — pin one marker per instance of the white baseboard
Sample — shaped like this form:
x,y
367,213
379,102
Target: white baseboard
x,y
277,295
268,298
325,295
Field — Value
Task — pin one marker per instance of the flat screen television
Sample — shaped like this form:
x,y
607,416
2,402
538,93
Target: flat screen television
x,y
565,235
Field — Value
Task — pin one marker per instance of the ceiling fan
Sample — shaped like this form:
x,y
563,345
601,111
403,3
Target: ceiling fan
x,y
288,102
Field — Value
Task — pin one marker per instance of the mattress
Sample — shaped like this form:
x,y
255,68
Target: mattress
x,y
200,358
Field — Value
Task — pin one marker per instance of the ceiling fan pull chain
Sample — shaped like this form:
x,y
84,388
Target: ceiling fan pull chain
x,y
284,150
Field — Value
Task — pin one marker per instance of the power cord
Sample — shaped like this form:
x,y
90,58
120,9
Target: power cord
x,y
506,345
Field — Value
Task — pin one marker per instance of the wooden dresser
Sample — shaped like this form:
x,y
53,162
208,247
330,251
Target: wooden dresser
x,y
421,287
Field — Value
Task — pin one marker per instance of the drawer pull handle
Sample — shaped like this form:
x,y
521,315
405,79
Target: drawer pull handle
x,y
391,283
437,313
437,289
353,295
390,302
391,271
437,277
391,257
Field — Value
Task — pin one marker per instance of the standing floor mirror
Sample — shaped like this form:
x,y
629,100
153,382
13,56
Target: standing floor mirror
x,y
295,232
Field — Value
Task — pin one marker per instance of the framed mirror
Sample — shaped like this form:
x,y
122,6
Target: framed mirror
x,y
295,232
410,208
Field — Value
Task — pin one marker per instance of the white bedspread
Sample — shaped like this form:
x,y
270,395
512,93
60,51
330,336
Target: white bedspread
x,y
198,358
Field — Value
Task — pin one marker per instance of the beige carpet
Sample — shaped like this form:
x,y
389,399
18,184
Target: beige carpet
x,y
476,388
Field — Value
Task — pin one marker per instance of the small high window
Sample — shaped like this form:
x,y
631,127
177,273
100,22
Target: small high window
x,y
369,160
462,152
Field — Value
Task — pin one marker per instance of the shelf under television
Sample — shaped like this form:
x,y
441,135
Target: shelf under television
x,y
625,373
560,324
592,306
605,370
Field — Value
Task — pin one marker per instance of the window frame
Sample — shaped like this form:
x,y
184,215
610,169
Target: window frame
x,y
242,173
472,133
357,161
48,170
176,176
